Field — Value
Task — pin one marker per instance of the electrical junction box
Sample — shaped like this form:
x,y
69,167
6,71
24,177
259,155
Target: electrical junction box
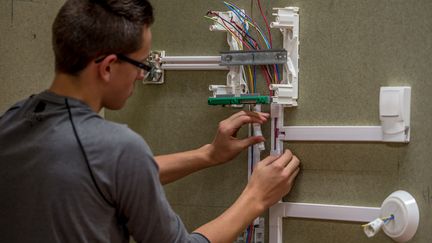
x,y
404,209
394,109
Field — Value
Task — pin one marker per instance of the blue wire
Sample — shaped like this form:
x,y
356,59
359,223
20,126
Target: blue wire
x,y
243,23
277,72
237,12
389,218
247,235
235,27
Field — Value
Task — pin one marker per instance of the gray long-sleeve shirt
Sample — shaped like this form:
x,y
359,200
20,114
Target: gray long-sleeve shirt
x,y
47,191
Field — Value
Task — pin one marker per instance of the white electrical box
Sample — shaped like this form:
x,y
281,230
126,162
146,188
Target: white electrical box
x,y
394,109
404,209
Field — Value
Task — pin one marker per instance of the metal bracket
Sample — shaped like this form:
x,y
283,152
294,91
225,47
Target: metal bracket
x,y
260,57
156,75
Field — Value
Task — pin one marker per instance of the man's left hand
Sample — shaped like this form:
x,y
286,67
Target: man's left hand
x,y
226,145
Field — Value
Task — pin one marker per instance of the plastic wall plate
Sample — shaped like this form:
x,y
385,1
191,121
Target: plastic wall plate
x,y
406,216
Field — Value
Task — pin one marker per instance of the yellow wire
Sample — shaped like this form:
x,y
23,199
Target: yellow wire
x,y
251,79
259,31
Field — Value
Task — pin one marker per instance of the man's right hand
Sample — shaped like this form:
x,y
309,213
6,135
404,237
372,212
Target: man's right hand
x,y
272,178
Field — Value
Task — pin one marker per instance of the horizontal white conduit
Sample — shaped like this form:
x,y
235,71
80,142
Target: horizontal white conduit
x,y
177,59
191,63
198,66
332,133
326,211
316,211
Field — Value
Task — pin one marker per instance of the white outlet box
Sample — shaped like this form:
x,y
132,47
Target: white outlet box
x,y
406,216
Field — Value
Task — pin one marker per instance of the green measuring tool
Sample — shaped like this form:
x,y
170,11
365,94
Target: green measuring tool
x,y
239,100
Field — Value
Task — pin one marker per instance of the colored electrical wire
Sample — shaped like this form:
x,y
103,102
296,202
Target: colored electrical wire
x,y
227,29
247,36
250,21
251,232
251,79
242,17
272,69
247,235
231,31
266,22
239,30
234,35
267,78
246,18
275,69
244,32
386,220
240,14
278,74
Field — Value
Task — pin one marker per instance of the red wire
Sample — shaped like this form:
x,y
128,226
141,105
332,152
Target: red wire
x,y
256,46
267,69
266,76
267,25
223,22
251,232
245,43
275,73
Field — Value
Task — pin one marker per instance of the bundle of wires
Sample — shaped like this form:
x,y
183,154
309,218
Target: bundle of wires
x,y
249,233
242,35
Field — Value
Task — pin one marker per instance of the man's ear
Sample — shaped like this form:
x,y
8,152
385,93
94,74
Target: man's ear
x,y
104,67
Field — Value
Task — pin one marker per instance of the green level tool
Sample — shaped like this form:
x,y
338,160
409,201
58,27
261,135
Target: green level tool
x,y
239,100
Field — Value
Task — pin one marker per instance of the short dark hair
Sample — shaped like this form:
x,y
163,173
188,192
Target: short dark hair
x,y
86,29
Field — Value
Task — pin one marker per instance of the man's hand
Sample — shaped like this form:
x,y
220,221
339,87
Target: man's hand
x,y
226,145
273,178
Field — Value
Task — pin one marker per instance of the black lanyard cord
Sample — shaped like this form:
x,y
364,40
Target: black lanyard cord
x,y
85,154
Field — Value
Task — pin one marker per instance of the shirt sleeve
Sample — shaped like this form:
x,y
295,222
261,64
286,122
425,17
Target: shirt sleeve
x,y
141,200
200,237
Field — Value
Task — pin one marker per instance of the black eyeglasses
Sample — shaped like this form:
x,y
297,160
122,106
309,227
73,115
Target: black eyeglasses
x,y
122,57
135,63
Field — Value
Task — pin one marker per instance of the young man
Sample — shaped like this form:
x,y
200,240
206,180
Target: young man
x,y
67,175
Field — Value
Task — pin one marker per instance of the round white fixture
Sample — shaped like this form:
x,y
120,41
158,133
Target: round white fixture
x,y
404,208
